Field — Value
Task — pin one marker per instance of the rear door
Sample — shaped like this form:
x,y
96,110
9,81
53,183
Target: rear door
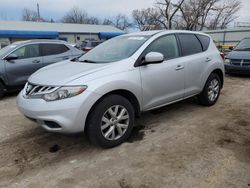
x,y
53,53
196,62
29,60
164,82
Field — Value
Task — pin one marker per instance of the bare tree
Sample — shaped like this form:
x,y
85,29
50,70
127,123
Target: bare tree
x,y
211,14
195,13
168,9
120,21
29,15
92,20
76,15
224,13
147,19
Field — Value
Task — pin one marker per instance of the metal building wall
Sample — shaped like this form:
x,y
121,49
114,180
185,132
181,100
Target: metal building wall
x,y
228,37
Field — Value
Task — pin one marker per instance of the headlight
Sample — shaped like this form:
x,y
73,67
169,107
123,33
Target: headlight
x,y
64,92
227,61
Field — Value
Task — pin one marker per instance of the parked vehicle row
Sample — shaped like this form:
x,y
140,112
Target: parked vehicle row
x,y
103,91
20,59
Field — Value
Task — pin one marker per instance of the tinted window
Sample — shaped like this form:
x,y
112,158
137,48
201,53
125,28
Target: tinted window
x,y
166,45
189,44
204,41
53,49
28,51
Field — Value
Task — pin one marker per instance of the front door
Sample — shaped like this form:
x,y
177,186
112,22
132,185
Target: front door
x,y
164,82
19,70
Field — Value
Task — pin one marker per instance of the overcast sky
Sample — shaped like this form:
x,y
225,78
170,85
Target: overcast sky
x,y
12,9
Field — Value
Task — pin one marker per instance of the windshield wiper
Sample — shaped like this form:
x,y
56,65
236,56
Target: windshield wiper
x,y
87,61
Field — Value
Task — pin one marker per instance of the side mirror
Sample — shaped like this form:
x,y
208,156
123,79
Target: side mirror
x,y
11,57
231,48
153,58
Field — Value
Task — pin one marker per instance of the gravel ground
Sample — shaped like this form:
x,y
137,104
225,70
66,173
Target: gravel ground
x,y
182,145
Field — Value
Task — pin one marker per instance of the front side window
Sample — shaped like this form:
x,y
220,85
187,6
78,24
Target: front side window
x,y
29,51
189,44
53,49
166,45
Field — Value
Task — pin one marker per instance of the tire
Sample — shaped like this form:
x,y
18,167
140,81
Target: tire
x,y
1,90
116,128
212,86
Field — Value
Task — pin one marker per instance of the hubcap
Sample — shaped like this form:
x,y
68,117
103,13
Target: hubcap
x,y
213,90
115,122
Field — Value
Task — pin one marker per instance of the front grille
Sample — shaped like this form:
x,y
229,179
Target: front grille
x,y
240,62
32,89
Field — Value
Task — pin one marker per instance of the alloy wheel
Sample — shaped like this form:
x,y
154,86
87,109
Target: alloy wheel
x,y
213,90
114,122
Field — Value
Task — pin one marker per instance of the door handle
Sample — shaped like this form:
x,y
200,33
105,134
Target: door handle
x,y
179,67
36,61
65,58
208,59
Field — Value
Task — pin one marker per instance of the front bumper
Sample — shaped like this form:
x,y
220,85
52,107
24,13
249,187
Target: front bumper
x,y
69,115
234,69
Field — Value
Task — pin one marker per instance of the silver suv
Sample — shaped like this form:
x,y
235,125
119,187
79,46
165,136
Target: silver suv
x,y
104,90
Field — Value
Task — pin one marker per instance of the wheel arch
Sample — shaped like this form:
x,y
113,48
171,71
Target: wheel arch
x,y
220,74
124,93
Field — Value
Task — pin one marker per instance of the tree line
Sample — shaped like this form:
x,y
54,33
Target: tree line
x,y
164,14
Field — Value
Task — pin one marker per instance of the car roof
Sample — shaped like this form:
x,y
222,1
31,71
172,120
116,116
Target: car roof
x,y
39,41
151,33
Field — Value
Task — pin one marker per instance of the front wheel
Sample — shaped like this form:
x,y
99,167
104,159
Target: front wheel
x,y
211,91
111,121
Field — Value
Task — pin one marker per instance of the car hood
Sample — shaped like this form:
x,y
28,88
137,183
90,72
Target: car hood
x,y
61,73
239,55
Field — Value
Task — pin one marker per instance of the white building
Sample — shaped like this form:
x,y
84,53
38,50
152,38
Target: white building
x,y
11,31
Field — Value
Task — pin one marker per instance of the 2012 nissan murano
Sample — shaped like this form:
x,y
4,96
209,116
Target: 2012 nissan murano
x,y
103,91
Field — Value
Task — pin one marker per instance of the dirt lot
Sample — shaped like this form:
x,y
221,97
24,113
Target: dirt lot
x,y
182,145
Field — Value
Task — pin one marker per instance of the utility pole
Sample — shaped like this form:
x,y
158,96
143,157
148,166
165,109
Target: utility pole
x,y
38,13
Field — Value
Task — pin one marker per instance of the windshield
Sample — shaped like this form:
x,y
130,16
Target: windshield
x,y
114,49
243,45
7,49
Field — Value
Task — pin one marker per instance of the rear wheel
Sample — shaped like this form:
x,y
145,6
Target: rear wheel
x,y
211,91
1,90
111,121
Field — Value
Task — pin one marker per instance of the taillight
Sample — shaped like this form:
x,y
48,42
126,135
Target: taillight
x,y
86,49
222,55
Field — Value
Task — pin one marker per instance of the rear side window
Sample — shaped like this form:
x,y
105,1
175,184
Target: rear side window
x,y
189,44
53,49
205,40
167,45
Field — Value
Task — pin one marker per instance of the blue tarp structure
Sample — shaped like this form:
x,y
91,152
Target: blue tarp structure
x,y
28,34
109,35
